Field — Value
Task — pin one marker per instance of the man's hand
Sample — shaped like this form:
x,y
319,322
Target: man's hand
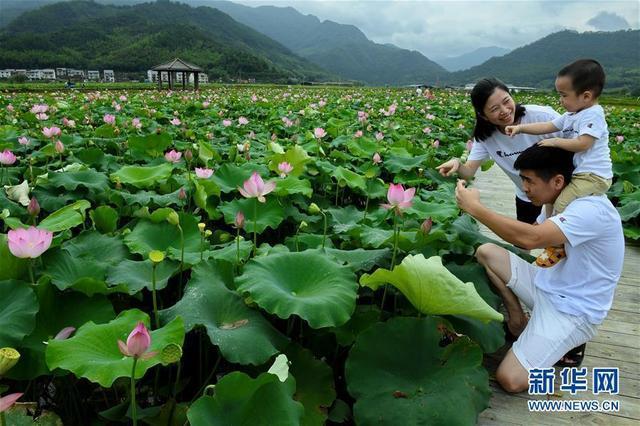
x,y
449,168
467,198
512,130
549,142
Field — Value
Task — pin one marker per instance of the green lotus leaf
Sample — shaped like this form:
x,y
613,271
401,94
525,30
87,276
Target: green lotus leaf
x,y
18,307
364,317
57,311
91,156
376,237
296,156
396,164
315,387
270,213
229,176
67,217
293,185
243,335
90,179
107,250
93,351
363,147
151,144
242,400
308,284
85,275
11,267
142,176
352,179
105,131
145,198
432,289
136,275
415,381
345,219
229,252
437,211
21,414
105,219
359,259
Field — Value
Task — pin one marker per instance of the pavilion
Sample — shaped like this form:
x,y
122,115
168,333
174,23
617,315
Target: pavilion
x,y
172,68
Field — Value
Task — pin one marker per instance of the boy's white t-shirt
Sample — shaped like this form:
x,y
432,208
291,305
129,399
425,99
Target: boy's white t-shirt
x,y
590,121
583,283
504,150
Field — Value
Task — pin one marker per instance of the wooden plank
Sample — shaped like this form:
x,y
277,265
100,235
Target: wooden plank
x,y
616,315
620,327
617,339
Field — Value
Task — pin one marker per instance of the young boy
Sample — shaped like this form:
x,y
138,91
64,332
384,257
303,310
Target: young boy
x,y
585,133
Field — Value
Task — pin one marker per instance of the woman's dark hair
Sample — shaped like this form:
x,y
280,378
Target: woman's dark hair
x,y
546,162
479,95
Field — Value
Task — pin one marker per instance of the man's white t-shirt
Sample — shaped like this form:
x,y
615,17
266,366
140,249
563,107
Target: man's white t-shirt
x,y
590,121
584,282
504,150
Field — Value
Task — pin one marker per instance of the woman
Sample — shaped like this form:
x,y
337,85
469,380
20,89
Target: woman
x,y
495,109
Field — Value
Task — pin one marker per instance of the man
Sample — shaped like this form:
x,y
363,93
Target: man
x,y
568,300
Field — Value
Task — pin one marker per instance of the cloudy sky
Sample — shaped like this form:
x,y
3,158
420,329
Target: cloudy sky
x,y
441,28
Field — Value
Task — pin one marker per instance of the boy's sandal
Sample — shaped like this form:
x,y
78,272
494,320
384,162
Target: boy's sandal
x,y
573,358
550,256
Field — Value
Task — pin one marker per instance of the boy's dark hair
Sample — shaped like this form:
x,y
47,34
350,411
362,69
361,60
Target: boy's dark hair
x,y
479,95
546,162
585,74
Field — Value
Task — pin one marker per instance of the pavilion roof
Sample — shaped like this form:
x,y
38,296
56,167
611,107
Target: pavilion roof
x,y
177,65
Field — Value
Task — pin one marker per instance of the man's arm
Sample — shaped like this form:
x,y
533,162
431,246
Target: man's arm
x,y
511,230
579,144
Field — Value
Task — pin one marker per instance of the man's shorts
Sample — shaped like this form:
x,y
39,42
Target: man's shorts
x,y
549,334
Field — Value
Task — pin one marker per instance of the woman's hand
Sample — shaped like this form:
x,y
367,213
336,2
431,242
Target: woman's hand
x,y
512,130
449,168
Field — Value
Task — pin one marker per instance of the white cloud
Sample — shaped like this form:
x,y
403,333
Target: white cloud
x,y
449,28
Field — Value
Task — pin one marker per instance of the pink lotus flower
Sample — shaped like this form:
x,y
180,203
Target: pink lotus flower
x,y
379,136
358,134
123,98
203,173
39,108
7,401
206,104
426,130
68,123
173,156
59,147
138,343
64,333
398,198
619,138
175,121
287,122
436,143
242,121
51,132
42,116
376,158
23,140
362,116
255,187
239,220
136,123
109,119
7,158
117,107
284,168
30,242
254,98
430,116
226,123
10,108
319,133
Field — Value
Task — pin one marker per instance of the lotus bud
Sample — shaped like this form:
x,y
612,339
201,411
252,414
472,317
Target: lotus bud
x,y
156,256
303,225
208,233
314,209
33,208
426,226
59,146
201,226
188,155
182,194
173,218
239,220
8,358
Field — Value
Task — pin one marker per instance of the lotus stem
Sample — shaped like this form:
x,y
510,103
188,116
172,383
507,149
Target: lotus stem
x,y
134,409
366,206
255,227
181,255
238,249
201,246
396,233
324,232
33,281
153,295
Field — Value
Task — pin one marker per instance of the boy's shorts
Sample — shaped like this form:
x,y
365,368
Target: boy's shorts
x,y
549,334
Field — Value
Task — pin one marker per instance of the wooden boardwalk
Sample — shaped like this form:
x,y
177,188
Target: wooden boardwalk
x,y
617,343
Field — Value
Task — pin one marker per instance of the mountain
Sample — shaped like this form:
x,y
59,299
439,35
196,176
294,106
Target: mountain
x,y
86,34
536,64
470,59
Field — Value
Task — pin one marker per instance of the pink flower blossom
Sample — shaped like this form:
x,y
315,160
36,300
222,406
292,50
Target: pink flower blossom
x,y
136,123
254,98
123,98
358,134
10,108
426,130
109,119
376,158
23,140
430,116
173,156
117,107
203,173
619,138
59,147
8,400
436,143
284,168
41,116
68,123
239,220
379,136
51,132
242,121
399,198
64,333
226,123
206,104
255,187
39,108
30,242
7,158
33,208
287,122
138,343
175,121
362,116
319,133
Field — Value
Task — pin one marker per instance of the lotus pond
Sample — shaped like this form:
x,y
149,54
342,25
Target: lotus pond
x,y
248,255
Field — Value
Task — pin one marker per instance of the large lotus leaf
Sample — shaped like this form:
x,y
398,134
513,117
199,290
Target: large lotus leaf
x,y
437,211
145,198
229,177
315,387
85,275
397,164
432,289
93,245
94,181
293,185
629,210
352,179
229,252
11,267
67,217
18,307
359,259
363,147
152,144
142,176
309,284
105,219
21,414
399,375
364,317
630,231
376,237
243,335
296,156
270,213
345,219
57,311
241,400
136,275
93,351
